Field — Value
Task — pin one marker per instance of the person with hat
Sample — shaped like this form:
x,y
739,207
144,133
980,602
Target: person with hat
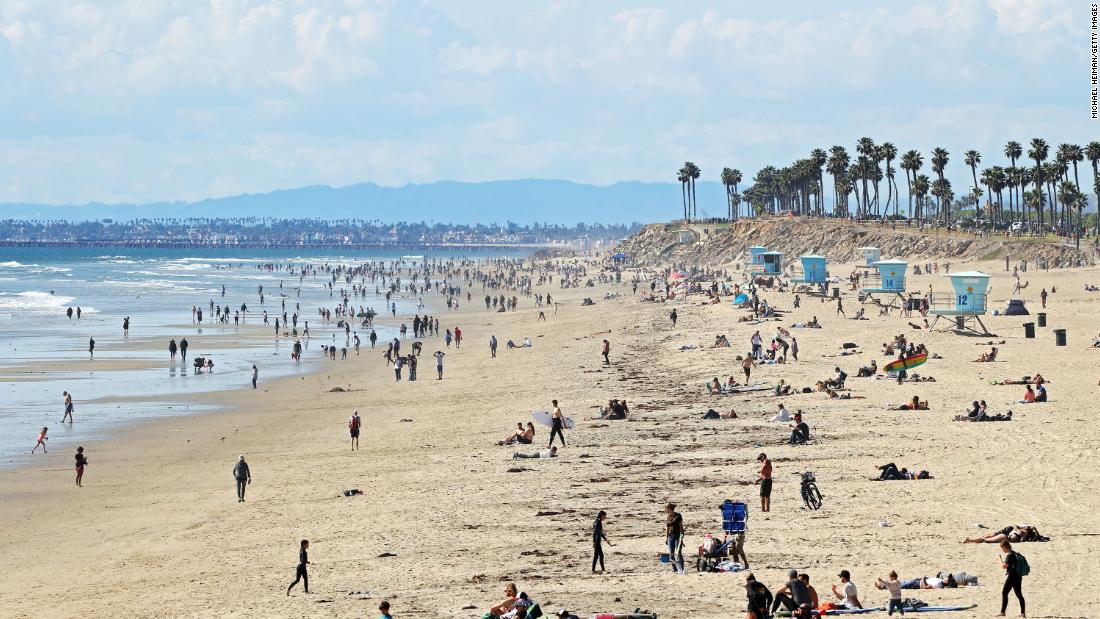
x,y
764,478
850,595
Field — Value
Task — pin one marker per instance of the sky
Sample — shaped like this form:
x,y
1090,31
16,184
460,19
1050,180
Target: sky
x,y
149,100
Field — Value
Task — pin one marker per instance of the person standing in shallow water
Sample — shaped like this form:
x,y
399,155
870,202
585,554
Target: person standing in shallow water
x,y
68,407
91,348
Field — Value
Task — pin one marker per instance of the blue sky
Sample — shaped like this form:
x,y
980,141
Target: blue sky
x,y
144,100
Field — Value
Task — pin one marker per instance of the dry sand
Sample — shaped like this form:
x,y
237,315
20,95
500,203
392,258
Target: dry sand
x,y
157,530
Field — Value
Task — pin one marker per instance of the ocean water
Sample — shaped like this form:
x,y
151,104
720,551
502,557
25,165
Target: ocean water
x,y
43,353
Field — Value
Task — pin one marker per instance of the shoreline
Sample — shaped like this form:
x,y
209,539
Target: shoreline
x,y
158,513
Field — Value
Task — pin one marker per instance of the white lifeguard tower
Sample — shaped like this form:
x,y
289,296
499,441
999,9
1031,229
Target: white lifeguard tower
x,y
966,303
888,281
866,257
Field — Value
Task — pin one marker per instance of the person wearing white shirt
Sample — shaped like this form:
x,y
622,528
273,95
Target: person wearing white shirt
x,y
850,595
782,415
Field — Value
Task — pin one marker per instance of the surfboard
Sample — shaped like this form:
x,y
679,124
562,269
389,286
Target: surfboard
x,y
545,419
939,609
907,363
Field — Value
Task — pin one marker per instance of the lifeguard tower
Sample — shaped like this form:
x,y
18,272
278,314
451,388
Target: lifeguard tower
x,y
887,281
770,265
966,303
756,253
814,272
867,257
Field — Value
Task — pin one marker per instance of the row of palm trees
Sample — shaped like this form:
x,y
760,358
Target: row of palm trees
x,y
1036,186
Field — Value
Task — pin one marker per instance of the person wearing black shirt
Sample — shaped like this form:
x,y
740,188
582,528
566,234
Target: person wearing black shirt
x,y
598,537
674,533
759,597
1013,578
801,431
300,574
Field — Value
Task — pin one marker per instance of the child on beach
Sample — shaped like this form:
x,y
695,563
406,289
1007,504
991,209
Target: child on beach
x,y
41,441
893,585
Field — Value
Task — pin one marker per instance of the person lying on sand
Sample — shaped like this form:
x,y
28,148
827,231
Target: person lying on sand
x,y
890,472
984,416
916,404
987,357
1013,534
545,453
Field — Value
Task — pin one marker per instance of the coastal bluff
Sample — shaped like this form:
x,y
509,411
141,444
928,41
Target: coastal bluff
x,y
723,243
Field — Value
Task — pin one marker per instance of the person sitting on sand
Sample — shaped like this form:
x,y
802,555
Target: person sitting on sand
x,y
916,404
514,437
988,357
800,431
545,453
507,604
1013,534
782,415
1041,393
868,370
732,382
1029,396
720,341
782,388
715,387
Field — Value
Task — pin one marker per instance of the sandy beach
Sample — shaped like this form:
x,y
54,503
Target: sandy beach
x,y
448,517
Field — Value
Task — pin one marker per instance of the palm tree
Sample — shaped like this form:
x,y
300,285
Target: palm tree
x,y
1013,178
682,176
866,149
1069,196
727,181
837,166
920,187
939,163
1038,153
693,174
736,177
972,158
1092,152
818,159
1014,151
889,152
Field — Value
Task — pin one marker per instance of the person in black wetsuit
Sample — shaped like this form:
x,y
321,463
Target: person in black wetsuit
x,y
301,574
598,537
558,421
1013,578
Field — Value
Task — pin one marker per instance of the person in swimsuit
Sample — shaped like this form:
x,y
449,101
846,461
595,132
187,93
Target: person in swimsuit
x,y
764,478
68,407
558,421
300,573
353,426
41,441
746,365
81,462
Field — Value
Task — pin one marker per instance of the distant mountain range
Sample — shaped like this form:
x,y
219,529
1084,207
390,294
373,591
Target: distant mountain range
x,y
520,201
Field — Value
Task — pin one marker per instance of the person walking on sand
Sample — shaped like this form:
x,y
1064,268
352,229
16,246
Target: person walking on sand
x,y
840,307
673,317
255,375
41,441
243,475
674,535
1043,297
68,399
81,462
605,352
354,424
598,537
172,350
557,421
764,479
746,366
301,573
493,347
1015,567
893,585
91,348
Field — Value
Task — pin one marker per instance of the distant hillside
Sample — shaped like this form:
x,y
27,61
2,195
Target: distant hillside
x,y
521,201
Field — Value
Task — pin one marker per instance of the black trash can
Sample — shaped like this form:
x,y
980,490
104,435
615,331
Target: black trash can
x,y
1042,319
836,293
1029,330
1059,337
